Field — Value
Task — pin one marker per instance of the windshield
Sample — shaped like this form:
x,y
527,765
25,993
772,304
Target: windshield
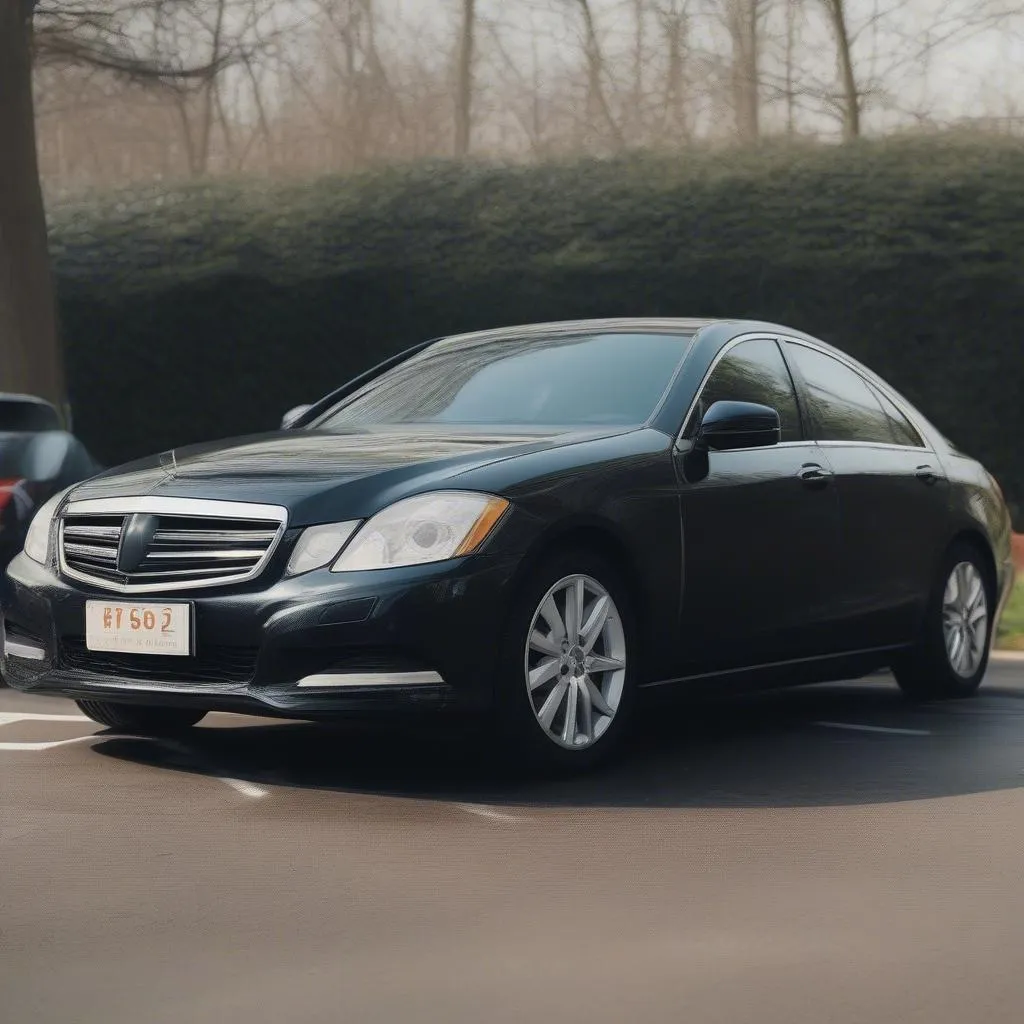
x,y
577,380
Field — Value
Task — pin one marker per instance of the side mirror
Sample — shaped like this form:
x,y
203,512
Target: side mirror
x,y
730,425
292,416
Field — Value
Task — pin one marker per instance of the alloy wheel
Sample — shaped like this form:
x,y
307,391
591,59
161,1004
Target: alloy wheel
x,y
575,662
965,619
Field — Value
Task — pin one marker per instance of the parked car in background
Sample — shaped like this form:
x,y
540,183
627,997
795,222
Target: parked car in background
x,y
532,526
38,458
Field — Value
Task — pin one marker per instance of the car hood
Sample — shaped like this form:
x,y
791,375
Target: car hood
x,y
320,476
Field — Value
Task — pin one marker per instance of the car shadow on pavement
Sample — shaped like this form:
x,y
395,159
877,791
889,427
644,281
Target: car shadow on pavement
x,y
855,743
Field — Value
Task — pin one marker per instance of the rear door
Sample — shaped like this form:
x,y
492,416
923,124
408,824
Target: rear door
x,y
760,530
893,495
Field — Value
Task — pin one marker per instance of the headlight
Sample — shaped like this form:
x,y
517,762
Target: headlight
x,y
319,545
426,528
37,540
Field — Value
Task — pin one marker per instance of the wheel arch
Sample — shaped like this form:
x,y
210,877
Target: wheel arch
x,y
975,538
601,537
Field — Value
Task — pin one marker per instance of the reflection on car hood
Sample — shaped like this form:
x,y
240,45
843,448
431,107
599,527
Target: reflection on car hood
x,y
310,472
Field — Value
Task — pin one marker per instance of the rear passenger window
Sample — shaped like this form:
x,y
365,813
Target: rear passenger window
x,y
903,431
752,371
842,405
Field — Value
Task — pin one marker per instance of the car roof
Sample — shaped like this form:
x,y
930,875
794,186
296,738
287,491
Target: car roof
x,y
555,327
683,325
10,396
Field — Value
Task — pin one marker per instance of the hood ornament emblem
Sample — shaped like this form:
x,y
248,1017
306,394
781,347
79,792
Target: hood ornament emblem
x,y
136,536
169,464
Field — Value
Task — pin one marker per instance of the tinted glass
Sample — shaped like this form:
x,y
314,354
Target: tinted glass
x,y
576,380
17,416
753,371
843,406
12,455
903,431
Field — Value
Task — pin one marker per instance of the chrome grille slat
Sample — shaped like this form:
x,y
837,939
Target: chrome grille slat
x,y
82,532
173,573
92,551
187,556
195,543
102,574
213,537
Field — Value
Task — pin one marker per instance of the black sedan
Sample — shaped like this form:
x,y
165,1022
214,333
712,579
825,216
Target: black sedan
x,y
532,527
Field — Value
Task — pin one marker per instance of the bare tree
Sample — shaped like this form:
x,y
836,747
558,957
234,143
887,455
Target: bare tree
x,y
639,60
102,34
835,10
792,12
210,90
30,357
597,99
143,39
179,87
464,79
673,17
743,21
521,92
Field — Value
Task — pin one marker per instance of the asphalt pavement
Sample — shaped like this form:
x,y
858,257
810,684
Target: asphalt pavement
x,y
831,855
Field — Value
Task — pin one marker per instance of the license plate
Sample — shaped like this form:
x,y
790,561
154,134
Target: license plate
x,y
138,628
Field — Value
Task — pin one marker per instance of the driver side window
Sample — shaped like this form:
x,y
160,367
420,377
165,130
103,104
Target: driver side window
x,y
752,371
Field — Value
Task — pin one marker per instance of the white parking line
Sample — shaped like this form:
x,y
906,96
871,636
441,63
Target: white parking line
x,y
490,812
48,744
854,727
10,717
249,789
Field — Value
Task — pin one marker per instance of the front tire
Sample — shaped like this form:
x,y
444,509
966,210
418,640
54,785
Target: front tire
x,y
951,655
565,688
139,719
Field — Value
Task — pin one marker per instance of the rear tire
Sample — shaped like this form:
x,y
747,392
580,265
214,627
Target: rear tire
x,y
562,722
951,655
136,718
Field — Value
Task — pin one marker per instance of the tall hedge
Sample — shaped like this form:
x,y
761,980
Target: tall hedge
x,y
202,311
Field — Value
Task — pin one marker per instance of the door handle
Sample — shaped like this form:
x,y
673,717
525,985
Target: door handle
x,y
927,475
813,475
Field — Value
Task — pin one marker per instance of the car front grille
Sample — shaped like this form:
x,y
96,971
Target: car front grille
x,y
210,664
166,544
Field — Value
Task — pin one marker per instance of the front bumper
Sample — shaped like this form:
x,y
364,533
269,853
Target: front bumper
x,y
313,646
